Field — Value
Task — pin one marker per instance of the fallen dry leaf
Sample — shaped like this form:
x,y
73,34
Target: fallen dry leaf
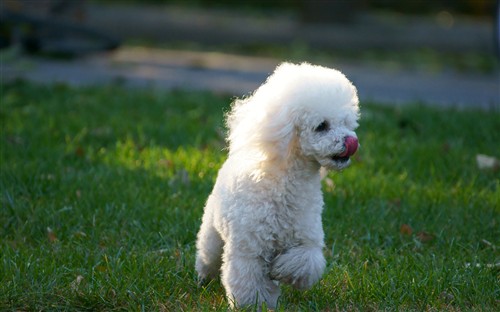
x,y
111,293
51,235
165,163
101,268
488,244
446,147
425,237
405,229
80,234
396,202
487,162
76,282
79,151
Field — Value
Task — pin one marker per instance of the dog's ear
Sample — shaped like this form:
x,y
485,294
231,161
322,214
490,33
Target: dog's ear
x,y
262,127
261,130
278,135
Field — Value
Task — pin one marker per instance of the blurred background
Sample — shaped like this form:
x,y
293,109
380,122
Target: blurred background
x,y
444,52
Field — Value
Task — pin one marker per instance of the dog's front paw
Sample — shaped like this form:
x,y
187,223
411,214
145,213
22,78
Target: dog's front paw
x,y
300,267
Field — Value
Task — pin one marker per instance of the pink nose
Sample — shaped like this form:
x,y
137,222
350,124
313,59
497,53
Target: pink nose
x,y
351,146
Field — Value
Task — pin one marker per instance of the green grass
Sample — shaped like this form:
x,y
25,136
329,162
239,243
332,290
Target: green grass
x,y
102,191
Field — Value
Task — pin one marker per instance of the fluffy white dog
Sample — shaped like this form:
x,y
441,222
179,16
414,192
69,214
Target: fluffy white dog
x,y
262,221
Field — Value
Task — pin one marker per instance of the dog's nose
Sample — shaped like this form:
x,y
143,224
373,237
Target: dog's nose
x,y
350,145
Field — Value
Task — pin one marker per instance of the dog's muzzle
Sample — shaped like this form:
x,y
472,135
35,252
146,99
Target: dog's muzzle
x,y
350,147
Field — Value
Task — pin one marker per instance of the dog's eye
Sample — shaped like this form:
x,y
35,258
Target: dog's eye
x,y
322,127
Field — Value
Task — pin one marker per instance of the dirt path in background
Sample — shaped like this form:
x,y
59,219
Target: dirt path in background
x,y
238,75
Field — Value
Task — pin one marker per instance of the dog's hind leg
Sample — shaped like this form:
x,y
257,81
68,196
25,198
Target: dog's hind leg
x,y
209,250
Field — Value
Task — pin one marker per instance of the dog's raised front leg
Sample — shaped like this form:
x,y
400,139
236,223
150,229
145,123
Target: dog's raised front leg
x,y
247,281
300,266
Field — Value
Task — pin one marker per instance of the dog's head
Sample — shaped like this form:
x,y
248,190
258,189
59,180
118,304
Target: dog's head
x,y
302,111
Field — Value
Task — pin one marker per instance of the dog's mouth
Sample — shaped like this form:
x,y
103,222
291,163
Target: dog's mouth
x,y
341,159
350,147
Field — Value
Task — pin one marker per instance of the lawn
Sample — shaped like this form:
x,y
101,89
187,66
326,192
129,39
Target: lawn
x,y
102,191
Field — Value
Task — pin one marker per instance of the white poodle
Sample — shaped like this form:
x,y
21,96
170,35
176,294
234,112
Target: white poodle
x,y
262,221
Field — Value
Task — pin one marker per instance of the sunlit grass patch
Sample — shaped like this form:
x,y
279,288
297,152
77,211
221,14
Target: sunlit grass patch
x,y
102,191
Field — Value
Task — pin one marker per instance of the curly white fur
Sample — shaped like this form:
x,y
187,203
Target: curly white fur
x,y
262,221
